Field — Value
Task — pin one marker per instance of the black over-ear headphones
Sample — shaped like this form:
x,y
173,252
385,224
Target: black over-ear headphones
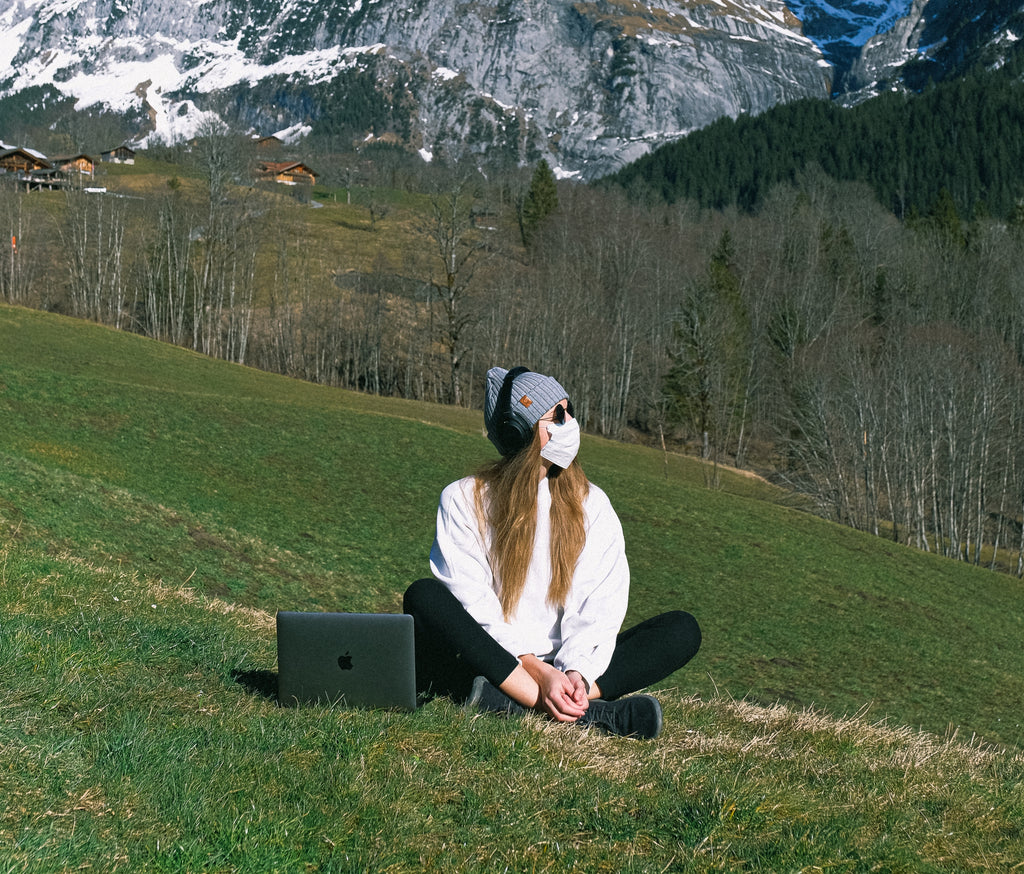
x,y
512,433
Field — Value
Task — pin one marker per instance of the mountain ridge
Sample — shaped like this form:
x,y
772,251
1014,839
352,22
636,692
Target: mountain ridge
x,y
589,85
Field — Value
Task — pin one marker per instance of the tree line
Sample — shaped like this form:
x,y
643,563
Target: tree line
x,y
874,364
966,135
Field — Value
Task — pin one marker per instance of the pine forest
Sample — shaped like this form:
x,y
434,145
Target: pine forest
x,y
965,136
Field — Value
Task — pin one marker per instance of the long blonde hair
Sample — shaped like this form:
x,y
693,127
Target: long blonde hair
x,y
506,504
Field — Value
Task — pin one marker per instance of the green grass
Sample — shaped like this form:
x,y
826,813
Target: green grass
x,y
856,705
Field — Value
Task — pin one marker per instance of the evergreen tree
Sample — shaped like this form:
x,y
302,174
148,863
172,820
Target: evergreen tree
x,y
541,201
944,220
704,385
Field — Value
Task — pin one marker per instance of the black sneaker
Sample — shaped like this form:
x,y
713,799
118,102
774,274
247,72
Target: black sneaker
x,y
489,698
637,716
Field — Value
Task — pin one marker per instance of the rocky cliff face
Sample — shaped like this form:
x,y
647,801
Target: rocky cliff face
x,y
588,84
934,40
840,28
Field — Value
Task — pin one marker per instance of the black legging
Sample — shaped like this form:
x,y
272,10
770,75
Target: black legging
x,y
452,648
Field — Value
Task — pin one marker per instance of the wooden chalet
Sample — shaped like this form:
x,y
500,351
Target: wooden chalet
x,y
269,144
21,162
81,164
28,168
286,173
121,155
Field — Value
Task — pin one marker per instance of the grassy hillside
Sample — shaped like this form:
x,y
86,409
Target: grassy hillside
x,y
156,507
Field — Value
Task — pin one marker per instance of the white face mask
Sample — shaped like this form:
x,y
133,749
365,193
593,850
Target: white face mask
x,y
563,444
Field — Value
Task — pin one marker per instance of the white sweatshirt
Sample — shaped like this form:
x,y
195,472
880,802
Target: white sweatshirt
x,y
581,636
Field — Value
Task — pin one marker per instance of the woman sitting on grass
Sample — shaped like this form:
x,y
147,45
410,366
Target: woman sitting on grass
x,y
531,581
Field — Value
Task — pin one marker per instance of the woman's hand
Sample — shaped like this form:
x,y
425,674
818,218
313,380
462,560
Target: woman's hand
x,y
562,696
582,689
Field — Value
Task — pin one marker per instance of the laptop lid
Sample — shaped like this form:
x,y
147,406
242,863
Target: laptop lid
x,y
352,659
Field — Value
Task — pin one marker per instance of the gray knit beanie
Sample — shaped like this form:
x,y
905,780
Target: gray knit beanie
x,y
533,394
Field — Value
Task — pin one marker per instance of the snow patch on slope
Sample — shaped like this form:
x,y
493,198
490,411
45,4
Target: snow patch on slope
x,y
851,23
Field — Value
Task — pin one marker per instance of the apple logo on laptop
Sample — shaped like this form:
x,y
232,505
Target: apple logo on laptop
x,y
345,662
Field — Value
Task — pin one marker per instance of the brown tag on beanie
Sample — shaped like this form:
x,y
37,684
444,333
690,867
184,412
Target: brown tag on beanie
x,y
526,401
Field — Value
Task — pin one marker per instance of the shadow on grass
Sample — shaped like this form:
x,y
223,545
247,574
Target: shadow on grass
x,y
262,683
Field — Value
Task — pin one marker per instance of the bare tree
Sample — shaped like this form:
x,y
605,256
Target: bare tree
x,y
18,257
460,250
93,242
166,270
226,245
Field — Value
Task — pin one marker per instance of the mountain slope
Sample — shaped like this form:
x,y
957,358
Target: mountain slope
x,y
589,85
841,28
138,479
878,45
266,492
962,137
936,40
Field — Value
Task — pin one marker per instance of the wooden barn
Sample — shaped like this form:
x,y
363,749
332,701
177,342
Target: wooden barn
x,y
269,144
121,155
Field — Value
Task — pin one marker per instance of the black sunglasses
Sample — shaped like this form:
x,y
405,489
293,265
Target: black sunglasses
x,y
558,414
560,411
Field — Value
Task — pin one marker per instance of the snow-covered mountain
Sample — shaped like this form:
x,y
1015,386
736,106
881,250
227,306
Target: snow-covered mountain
x,y
588,84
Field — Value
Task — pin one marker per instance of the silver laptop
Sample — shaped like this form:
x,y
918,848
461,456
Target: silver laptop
x,y
351,659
